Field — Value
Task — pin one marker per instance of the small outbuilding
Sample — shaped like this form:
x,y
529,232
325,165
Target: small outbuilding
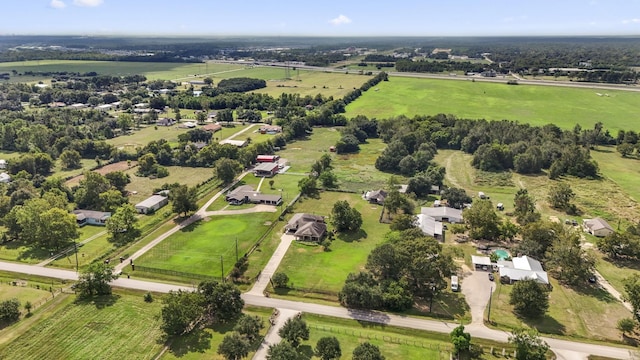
x,y
266,169
267,158
443,213
151,204
597,227
376,196
481,262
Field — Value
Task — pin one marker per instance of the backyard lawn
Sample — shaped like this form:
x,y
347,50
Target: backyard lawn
x,y
114,327
312,269
537,105
144,186
198,248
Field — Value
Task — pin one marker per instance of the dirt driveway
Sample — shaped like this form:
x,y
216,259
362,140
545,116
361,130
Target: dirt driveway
x,y
475,287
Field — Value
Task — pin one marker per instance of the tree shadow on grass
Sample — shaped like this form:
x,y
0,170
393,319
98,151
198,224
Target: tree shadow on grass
x,y
365,317
623,263
197,341
99,301
192,226
352,236
595,291
546,325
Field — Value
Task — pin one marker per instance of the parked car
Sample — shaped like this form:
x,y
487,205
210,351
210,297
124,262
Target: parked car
x,y
491,277
592,279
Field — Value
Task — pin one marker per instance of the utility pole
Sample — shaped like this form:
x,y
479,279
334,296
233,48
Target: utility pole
x,y
489,311
76,246
221,269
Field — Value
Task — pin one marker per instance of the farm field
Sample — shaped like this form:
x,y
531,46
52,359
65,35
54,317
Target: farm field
x,y
623,171
198,248
153,71
203,344
537,105
348,251
115,327
590,313
307,82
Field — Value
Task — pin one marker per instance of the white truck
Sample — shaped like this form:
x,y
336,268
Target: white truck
x,y
454,283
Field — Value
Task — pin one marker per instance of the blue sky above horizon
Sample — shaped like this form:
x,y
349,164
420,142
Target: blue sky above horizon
x,y
326,18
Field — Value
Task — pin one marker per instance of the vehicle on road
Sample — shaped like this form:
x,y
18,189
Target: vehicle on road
x,y
491,277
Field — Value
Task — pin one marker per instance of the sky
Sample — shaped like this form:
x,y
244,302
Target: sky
x,y
321,18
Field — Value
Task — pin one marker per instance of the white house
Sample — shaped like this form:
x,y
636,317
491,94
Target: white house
x,y
443,213
152,204
429,226
522,268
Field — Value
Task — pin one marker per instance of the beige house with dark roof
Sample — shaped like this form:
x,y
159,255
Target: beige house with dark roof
x,y
597,227
307,227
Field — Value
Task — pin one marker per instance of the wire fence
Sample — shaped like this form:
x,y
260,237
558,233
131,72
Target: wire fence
x,y
175,273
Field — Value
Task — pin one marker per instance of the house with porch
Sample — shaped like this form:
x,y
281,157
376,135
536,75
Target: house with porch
x,y
306,227
91,217
245,194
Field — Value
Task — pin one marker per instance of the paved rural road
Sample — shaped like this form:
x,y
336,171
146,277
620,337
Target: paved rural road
x,y
271,267
272,336
476,330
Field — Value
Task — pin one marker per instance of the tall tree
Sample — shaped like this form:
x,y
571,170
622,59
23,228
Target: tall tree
x,y
632,293
95,280
123,225
234,347
560,196
181,311
222,301
249,327
568,261
344,217
294,330
184,199
525,208
529,298
529,345
226,170
482,220
456,197
461,340
328,348
70,159
282,351
367,351
308,186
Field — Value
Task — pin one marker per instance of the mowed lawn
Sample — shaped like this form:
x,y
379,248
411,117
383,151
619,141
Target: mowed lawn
x,y
537,105
590,313
301,154
143,186
311,268
197,248
116,327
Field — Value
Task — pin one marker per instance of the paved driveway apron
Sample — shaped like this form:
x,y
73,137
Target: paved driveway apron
x,y
476,288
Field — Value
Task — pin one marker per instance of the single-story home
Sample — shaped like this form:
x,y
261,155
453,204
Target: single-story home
x,y
238,143
267,158
246,194
165,121
151,204
522,268
307,227
443,213
376,197
266,169
189,125
430,226
91,217
5,178
212,127
597,227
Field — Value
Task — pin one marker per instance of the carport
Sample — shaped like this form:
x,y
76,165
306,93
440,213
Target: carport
x,y
481,262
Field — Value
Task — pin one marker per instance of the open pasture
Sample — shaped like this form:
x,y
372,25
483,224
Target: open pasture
x,y
537,105
301,154
143,136
142,187
114,327
153,71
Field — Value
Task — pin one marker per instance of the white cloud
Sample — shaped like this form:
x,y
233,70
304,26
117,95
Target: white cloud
x,y
57,4
87,3
631,21
340,20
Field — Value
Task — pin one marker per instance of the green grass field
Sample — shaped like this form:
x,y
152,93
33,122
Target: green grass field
x,y
116,327
623,171
197,248
537,105
301,154
184,175
357,172
153,71
143,136
348,251
587,314
203,344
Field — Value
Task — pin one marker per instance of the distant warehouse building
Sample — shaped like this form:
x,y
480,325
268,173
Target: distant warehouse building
x,y
152,204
